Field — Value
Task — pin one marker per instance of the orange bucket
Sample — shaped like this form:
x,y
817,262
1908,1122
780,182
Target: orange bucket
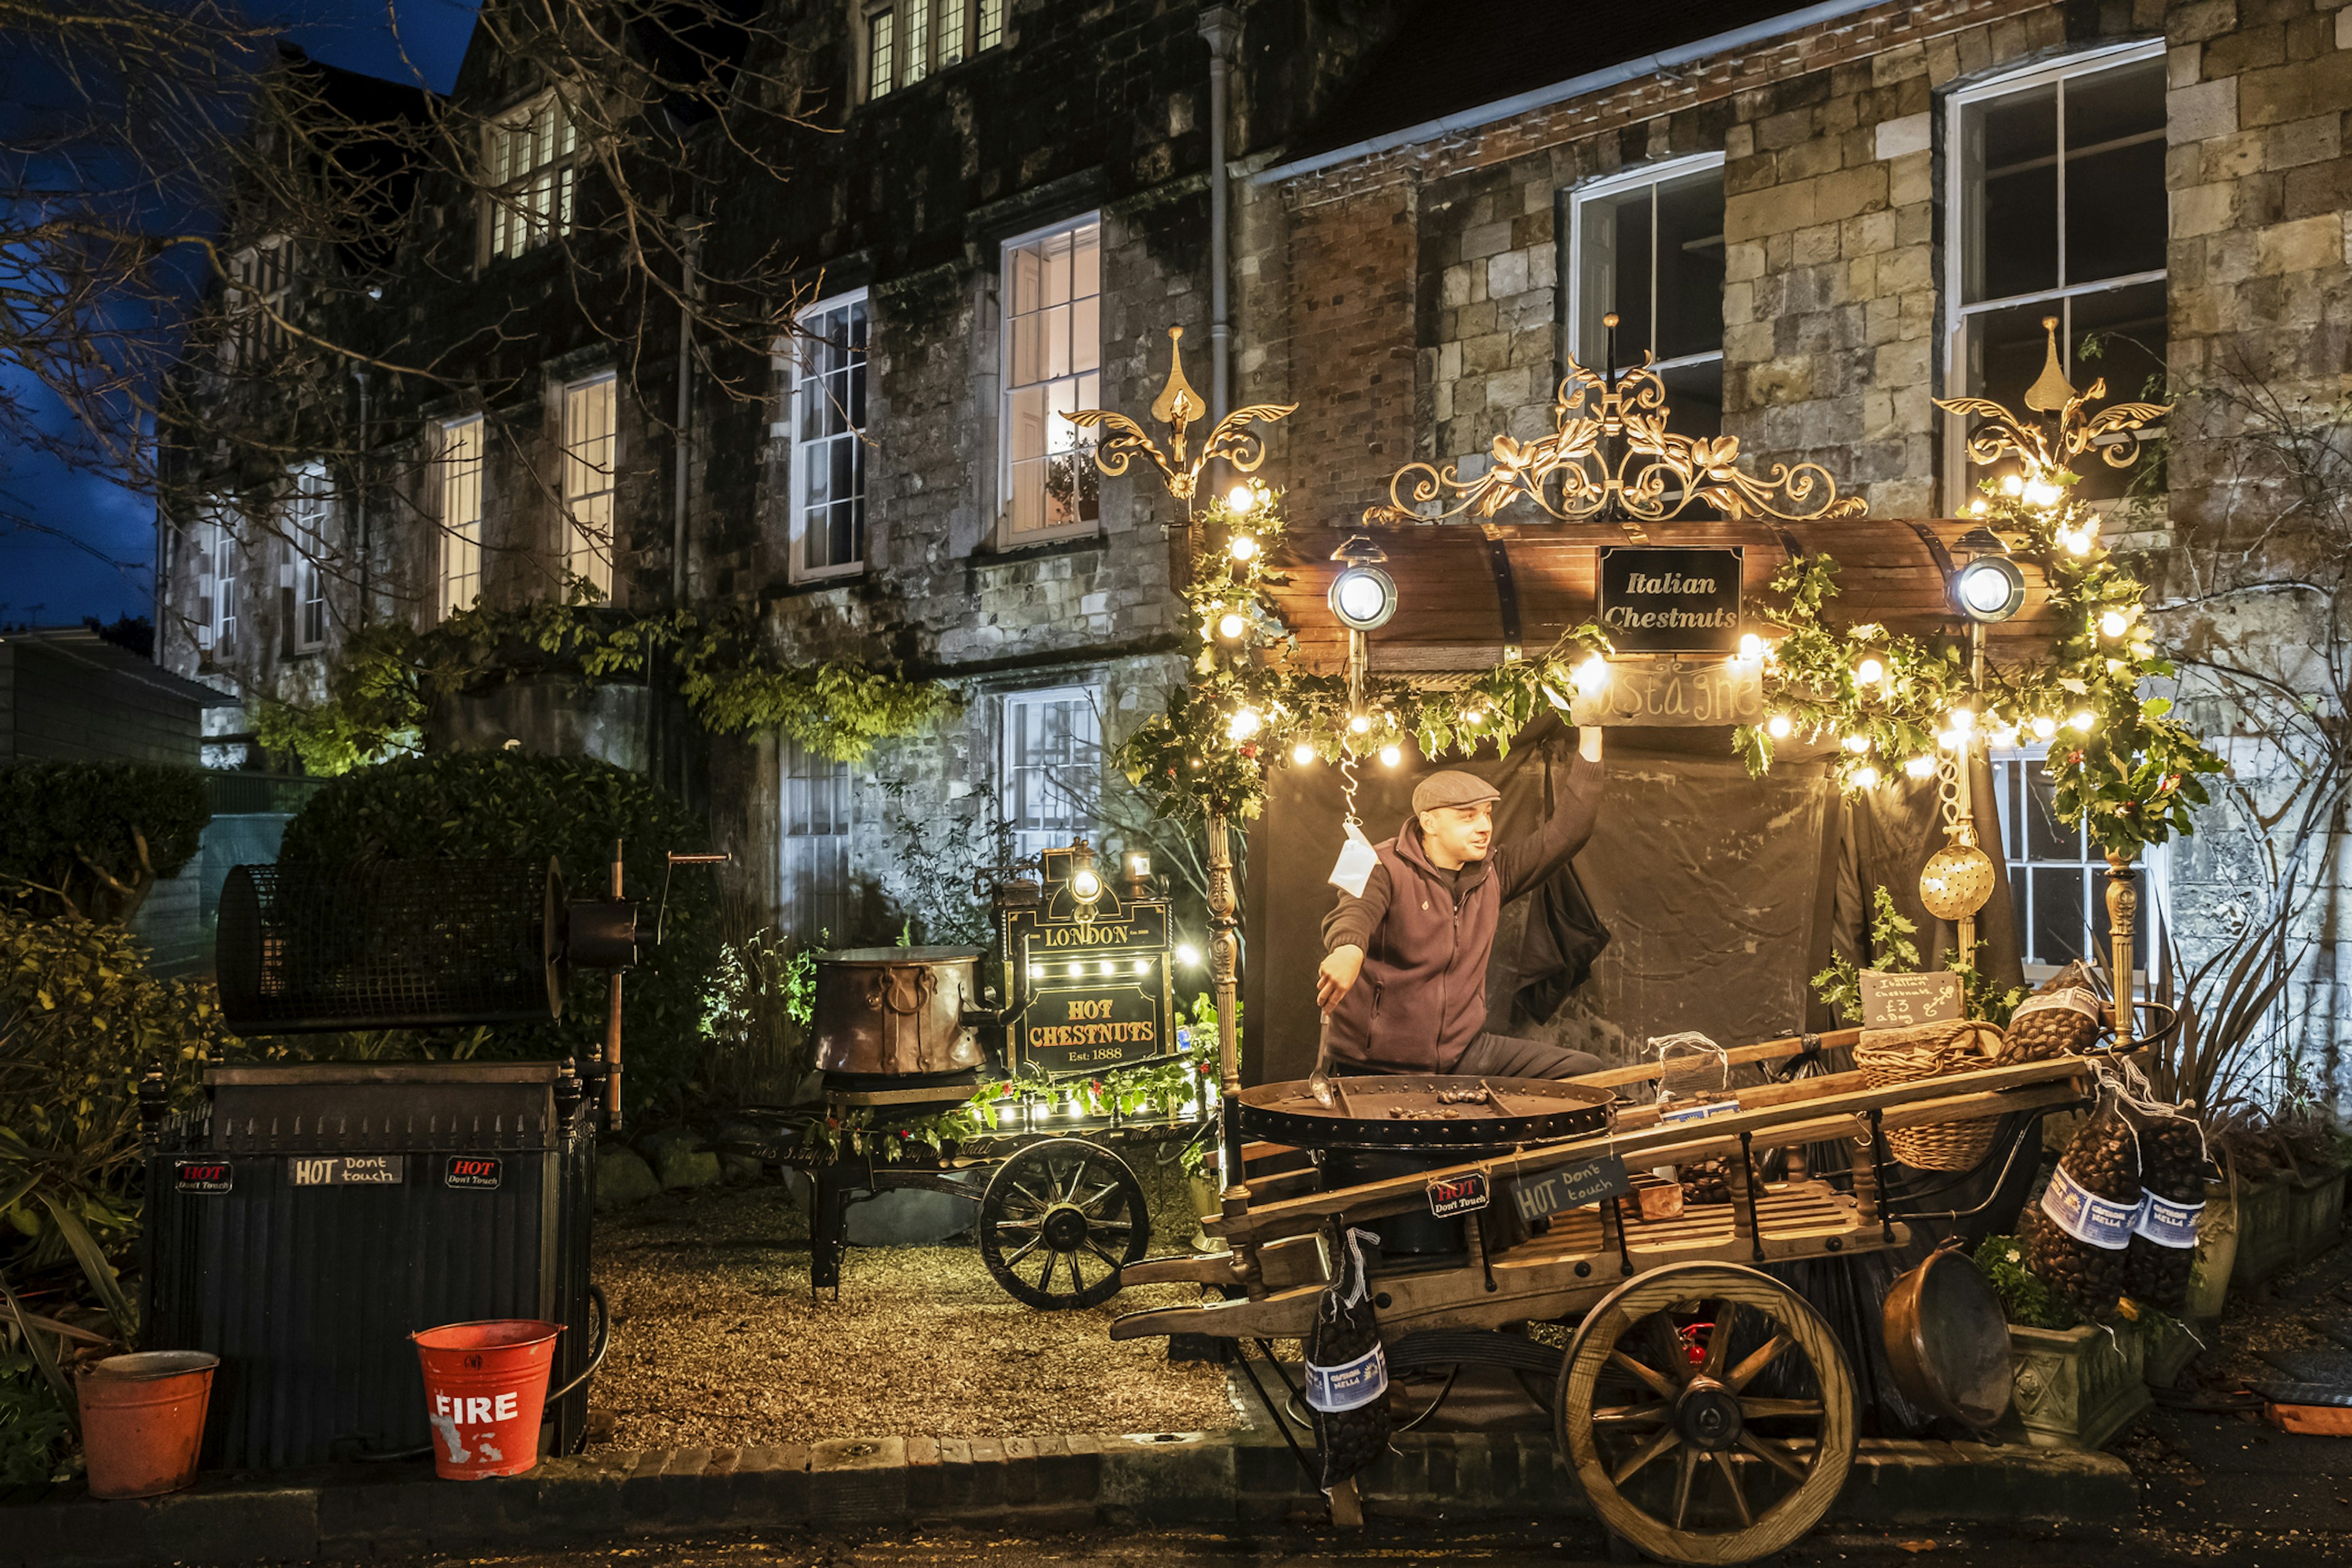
x,y
485,1389
142,1420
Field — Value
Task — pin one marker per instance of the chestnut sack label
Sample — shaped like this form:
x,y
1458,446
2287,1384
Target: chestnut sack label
x,y
2165,1223
2087,1217
1351,1384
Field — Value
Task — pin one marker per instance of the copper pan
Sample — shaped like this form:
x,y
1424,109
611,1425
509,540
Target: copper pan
x,y
1947,1340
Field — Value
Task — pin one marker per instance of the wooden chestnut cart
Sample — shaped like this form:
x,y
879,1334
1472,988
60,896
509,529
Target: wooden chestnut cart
x,y
1704,1405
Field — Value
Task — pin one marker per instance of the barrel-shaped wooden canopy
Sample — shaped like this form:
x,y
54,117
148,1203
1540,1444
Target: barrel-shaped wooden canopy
x,y
1458,584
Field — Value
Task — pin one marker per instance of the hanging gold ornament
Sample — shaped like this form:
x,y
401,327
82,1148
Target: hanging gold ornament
x,y
1956,881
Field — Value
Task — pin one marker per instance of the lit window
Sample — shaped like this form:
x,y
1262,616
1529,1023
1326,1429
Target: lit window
x,y
2057,877
908,39
2057,184
303,582
1649,247
534,157
460,467
1053,358
815,863
259,294
218,560
589,443
828,476
1052,768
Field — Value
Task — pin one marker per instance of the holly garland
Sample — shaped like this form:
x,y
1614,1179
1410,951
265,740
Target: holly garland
x,y
2120,763
1247,709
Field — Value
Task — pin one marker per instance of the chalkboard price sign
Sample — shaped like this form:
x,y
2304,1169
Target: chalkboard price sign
x,y
1570,1187
1899,1001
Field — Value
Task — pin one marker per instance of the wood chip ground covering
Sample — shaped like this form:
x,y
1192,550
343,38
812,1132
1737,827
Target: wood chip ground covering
x,y
718,1344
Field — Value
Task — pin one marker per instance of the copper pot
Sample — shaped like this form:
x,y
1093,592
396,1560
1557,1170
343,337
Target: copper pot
x,y
1947,1340
896,1010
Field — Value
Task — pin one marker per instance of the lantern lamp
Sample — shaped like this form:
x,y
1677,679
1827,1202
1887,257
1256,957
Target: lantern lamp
x,y
1989,589
1362,595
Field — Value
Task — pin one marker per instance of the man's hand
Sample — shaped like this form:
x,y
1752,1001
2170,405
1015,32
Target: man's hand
x,y
1338,975
1588,742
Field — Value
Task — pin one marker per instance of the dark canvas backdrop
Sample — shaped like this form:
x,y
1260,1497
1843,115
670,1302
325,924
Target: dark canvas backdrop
x,y
1723,894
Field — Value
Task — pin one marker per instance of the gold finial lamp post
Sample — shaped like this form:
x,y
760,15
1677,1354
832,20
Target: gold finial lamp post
x,y
1231,440
1991,589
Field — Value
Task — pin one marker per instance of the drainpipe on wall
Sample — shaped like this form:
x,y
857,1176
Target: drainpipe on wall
x,y
685,441
1222,29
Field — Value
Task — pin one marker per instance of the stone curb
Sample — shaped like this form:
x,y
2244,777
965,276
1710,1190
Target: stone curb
x,y
1048,1482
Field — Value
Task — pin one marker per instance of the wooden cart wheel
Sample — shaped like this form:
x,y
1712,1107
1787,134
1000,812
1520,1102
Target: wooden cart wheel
x,y
1058,1222
1708,1412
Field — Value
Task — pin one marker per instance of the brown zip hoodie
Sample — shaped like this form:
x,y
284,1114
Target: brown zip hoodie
x,y
1426,935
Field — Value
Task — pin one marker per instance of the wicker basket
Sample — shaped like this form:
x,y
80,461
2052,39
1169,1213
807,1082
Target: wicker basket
x,y
1887,1058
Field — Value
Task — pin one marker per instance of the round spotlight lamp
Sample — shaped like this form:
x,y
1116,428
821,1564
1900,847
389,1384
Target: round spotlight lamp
x,y
1086,885
1363,597
1989,589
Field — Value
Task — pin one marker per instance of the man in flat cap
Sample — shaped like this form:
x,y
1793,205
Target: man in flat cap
x,y
1404,972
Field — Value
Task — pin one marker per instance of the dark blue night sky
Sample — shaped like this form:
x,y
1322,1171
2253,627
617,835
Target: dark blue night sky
x,y
104,563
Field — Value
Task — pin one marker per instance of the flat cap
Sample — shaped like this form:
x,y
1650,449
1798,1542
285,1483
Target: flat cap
x,y
1451,787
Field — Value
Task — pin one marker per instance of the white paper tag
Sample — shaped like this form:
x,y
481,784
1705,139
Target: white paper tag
x,y
2069,999
1350,1384
2087,1217
2165,1223
1356,862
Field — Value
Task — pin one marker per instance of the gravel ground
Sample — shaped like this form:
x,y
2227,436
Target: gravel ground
x,y
716,1341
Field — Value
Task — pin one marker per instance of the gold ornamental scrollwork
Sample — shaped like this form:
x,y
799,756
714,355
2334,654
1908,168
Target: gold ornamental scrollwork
x,y
2114,430
1180,407
1610,458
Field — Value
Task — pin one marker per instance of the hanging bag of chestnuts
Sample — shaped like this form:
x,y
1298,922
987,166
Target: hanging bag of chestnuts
x,y
2078,1240
2062,1018
2173,1158
1347,1371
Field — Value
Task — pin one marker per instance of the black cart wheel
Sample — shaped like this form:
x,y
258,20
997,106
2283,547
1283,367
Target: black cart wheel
x,y
1058,1222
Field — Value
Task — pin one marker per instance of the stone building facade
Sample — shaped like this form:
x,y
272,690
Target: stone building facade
x,y
1819,221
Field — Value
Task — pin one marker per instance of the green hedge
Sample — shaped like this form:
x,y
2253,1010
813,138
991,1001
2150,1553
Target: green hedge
x,y
90,838
518,805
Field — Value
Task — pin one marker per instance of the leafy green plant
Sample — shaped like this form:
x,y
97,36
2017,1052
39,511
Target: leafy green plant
x,y
757,1007
92,838
81,1022
518,805
1891,949
388,676
2024,1297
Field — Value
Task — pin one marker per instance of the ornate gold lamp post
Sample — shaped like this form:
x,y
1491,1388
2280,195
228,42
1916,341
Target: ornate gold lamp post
x,y
1230,441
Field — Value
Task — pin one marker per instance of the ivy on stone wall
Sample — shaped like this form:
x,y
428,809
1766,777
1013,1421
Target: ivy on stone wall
x,y
389,677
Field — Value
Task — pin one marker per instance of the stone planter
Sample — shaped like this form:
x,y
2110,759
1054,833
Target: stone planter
x,y
2284,1222
2170,1347
2217,1258
2076,1388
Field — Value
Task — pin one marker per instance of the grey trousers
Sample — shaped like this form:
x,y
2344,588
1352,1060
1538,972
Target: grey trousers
x,y
1503,1056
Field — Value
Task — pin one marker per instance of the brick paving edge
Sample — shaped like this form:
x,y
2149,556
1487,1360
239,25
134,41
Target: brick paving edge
x,y
1242,1477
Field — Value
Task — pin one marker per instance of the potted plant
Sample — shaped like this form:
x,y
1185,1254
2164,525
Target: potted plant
x,y
2077,1383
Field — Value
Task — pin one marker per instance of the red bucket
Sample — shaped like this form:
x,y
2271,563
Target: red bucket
x,y
485,1388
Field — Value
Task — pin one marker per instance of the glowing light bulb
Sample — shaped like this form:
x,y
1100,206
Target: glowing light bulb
x,y
1087,885
1077,970
1358,724
1476,716
1391,756
1920,767
1188,955
2010,485
1232,624
1857,744
1777,726
2076,541
1240,500
1105,967
1752,647
1592,677
1302,753
1962,719
1869,672
1242,546
1949,740
1242,725
2044,727
2084,722
1143,966
1979,507
2005,737
2114,624
1866,777
2042,493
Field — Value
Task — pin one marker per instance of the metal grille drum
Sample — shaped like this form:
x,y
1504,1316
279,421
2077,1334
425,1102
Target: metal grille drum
x,y
388,944
1412,1110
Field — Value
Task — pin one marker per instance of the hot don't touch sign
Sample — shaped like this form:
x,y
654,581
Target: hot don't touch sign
x,y
1659,599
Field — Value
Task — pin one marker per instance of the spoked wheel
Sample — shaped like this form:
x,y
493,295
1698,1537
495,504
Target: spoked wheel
x,y
1708,1412
1059,1221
